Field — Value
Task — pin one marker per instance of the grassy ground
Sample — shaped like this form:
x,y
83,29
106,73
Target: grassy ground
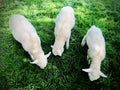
x,y
16,73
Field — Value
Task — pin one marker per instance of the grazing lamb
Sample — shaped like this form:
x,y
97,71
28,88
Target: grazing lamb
x,y
96,52
65,21
24,32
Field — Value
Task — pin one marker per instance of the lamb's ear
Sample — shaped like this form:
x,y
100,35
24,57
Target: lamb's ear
x,y
51,46
48,54
103,75
34,62
86,70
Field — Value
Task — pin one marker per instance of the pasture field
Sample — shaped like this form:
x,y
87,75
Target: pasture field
x,y
61,73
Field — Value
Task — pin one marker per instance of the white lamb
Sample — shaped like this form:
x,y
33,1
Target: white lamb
x,y
24,32
65,21
96,52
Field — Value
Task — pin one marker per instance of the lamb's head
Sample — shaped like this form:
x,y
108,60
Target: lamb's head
x,y
94,74
42,61
57,51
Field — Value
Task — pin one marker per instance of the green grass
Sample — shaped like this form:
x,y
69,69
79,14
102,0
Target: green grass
x,y
16,73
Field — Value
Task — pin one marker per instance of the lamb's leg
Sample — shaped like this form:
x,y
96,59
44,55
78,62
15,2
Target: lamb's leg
x,y
89,59
83,41
31,56
67,43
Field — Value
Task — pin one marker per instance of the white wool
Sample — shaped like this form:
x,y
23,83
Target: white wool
x,y
65,21
96,52
24,32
